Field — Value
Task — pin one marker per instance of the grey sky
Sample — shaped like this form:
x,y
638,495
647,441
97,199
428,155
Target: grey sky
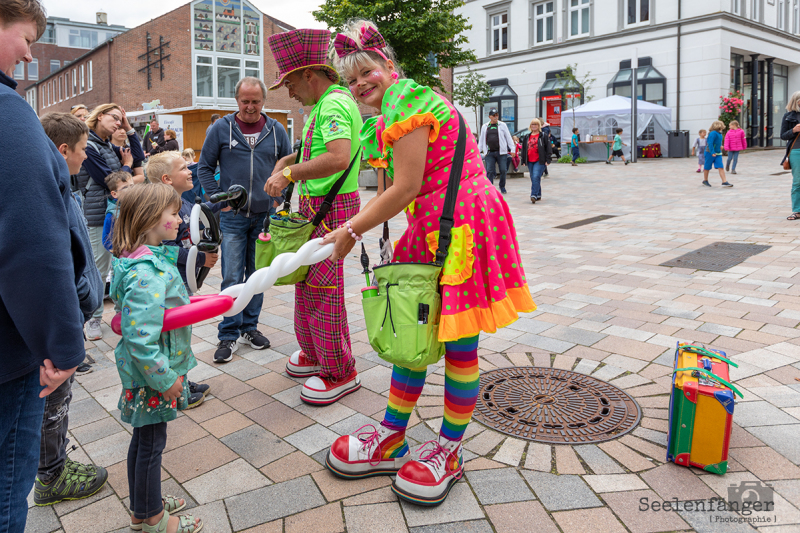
x,y
294,12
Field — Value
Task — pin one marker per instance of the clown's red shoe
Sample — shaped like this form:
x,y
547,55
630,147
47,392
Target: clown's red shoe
x,y
361,454
299,366
429,480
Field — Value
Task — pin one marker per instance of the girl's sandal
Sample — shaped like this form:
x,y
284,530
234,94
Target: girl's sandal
x,y
172,505
186,524
793,216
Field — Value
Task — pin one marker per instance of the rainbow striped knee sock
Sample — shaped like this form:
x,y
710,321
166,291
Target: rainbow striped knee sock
x,y
404,392
461,380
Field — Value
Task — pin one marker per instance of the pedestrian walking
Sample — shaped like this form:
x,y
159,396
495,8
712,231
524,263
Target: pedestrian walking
x,y
699,149
575,146
616,148
735,142
152,364
790,132
515,159
713,154
536,154
495,143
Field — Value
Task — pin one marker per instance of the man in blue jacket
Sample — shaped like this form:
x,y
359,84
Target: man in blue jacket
x,y
43,261
246,145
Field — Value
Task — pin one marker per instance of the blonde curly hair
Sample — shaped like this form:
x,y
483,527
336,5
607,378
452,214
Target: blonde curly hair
x,y
350,64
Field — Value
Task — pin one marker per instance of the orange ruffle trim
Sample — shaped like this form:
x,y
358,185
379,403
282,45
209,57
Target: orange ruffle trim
x,y
471,322
399,129
458,264
378,162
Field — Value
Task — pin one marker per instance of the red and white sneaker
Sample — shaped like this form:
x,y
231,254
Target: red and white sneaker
x,y
360,455
429,480
327,390
299,366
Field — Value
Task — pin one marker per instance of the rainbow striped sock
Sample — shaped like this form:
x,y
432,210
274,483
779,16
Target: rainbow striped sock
x,y
461,380
404,392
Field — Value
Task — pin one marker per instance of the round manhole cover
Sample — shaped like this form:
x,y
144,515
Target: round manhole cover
x,y
554,406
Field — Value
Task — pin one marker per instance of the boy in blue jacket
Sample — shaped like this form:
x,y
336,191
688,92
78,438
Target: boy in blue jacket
x,y
116,183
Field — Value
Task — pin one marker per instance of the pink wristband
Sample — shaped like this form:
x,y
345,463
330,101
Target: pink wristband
x,y
351,232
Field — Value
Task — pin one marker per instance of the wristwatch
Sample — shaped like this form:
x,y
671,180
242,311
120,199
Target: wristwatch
x,y
287,173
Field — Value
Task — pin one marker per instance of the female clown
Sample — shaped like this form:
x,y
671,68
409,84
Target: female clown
x,y
483,283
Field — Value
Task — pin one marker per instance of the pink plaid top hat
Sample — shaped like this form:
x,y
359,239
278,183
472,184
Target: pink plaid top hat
x,y
300,49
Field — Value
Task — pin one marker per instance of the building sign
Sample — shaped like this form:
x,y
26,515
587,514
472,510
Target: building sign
x,y
553,110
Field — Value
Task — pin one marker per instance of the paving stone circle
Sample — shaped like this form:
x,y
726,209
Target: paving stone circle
x,y
554,406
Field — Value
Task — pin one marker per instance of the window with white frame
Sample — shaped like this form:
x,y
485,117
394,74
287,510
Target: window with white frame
x,y
30,96
74,82
637,12
579,12
543,22
89,75
83,80
19,71
782,15
55,64
796,16
33,69
226,47
736,7
65,84
755,10
58,88
498,27
290,129
48,95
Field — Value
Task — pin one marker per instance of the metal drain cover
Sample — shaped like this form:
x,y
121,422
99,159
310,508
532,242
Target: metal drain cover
x,y
717,256
554,406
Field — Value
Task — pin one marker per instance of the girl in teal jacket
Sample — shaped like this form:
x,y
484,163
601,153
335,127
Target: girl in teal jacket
x,y
152,364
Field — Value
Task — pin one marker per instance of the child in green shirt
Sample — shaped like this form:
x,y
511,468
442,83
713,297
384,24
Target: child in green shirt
x,y
616,150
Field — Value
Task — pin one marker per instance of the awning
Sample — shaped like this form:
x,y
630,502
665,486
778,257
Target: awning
x,y
149,114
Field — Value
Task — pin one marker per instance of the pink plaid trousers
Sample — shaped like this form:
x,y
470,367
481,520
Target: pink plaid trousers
x,y
320,317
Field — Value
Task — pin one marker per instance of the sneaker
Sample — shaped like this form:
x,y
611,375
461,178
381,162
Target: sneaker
x,y
502,191
360,454
255,339
698,171
626,162
320,390
299,366
533,199
83,369
608,162
429,480
726,184
195,399
733,171
92,329
225,350
202,388
706,183
76,481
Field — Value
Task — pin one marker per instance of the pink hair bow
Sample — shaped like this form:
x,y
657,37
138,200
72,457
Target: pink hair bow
x,y
371,39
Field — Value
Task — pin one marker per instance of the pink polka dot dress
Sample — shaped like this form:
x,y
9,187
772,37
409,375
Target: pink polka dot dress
x,y
483,283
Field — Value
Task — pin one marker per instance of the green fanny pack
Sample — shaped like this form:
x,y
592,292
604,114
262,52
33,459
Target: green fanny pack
x,y
402,319
287,232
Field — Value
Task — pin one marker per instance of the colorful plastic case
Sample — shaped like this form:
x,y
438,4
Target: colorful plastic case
x,y
700,409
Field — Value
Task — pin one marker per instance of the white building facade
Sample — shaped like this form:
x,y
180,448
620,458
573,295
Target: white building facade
x,y
690,53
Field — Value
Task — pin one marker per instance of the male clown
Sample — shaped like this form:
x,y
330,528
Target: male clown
x,y
330,142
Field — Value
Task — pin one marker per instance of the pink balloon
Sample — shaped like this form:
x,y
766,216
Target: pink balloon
x,y
198,309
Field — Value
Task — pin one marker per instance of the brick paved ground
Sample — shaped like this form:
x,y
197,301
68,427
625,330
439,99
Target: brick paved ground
x,y
249,458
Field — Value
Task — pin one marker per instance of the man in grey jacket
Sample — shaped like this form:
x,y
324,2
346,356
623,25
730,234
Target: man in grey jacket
x,y
495,143
246,145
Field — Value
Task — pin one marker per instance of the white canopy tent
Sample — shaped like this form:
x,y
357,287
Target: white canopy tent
x,y
603,116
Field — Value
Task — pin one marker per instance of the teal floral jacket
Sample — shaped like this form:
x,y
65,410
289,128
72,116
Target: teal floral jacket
x,y
143,285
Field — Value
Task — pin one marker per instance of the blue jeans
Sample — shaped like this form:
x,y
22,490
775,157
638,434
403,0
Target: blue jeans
x,y
493,158
238,257
576,152
732,156
536,170
21,412
144,469
794,160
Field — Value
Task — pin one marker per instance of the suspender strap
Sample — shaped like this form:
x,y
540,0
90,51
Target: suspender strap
x,y
454,180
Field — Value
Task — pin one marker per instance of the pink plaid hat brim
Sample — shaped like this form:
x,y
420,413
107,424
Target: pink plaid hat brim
x,y
300,49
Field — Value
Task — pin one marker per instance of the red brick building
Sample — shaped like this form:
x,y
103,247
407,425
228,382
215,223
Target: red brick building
x,y
197,53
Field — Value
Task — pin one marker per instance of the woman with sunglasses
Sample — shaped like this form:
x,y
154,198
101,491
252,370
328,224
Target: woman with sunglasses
x,y
103,158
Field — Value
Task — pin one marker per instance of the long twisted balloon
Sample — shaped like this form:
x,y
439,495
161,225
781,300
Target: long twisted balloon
x,y
283,265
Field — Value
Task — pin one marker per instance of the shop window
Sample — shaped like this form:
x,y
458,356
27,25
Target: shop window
x,y
498,26
33,69
504,99
544,22
579,12
637,12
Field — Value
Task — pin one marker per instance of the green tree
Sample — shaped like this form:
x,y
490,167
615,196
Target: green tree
x,y
426,34
571,85
472,91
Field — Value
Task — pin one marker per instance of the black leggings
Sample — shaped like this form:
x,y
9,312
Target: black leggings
x,y
144,469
